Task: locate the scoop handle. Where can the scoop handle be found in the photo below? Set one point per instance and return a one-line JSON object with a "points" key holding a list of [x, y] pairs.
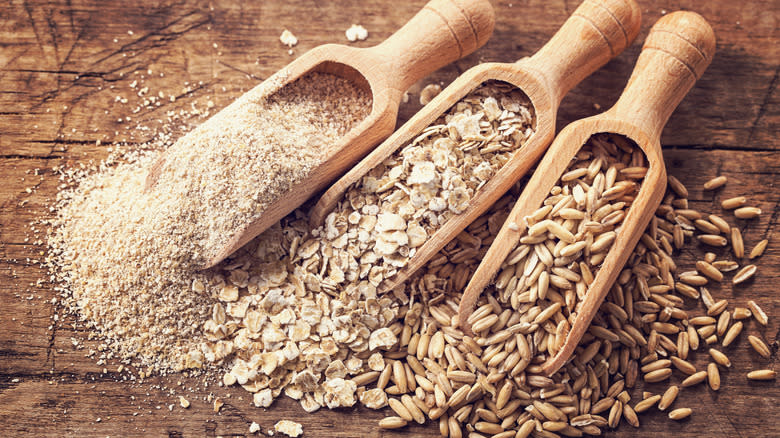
{"points": [[597, 31], [678, 49], [442, 32]]}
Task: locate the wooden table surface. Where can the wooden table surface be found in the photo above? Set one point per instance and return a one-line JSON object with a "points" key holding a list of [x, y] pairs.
{"points": [[65, 68]]}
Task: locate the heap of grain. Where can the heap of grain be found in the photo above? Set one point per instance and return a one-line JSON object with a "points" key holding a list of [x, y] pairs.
{"points": [[313, 323], [296, 310], [126, 256], [492, 384]]}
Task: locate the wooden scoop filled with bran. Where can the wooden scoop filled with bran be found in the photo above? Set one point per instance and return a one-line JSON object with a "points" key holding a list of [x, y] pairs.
{"points": [[270, 150]]}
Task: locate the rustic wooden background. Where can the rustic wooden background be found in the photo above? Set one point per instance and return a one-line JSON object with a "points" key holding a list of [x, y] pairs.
{"points": [[64, 63]]}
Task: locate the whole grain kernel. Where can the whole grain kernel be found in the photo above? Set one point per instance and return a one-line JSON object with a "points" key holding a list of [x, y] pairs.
{"points": [[488, 428], [658, 375], [444, 426], [758, 250], [706, 298], [712, 239], [677, 187], [647, 403], [747, 212], [384, 376], [706, 331], [732, 333], [693, 279], [713, 376], [392, 422], [679, 414], [684, 366], [706, 227], [399, 376], [615, 414], [719, 222], [709, 271], [723, 323], [669, 396], [714, 183], [702, 320], [720, 358], [693, 338], [413, 409], [762, 375], [525, 429], [717, 308], [694, 379], [656, 365], [686, 290], [758, 313], [737, 244], [630, 415], [454, 428], [400, 408], [759, 346], [732, 203], [744, 274]]}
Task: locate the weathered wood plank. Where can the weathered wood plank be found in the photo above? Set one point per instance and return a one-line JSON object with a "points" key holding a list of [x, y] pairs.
{"points": [[63, 66]]}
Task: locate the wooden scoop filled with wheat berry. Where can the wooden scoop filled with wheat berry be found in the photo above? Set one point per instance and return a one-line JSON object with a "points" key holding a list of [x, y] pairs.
{"points": [[589, 201], [269, 151], [471, 143]]}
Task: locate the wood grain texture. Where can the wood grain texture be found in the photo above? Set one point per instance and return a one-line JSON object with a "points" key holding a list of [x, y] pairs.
{"points": [[63, 64]]}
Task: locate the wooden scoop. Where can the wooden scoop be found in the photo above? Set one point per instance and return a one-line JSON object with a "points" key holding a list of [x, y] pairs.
{"points": [[597, 31], [675, 54], [442, 32]]}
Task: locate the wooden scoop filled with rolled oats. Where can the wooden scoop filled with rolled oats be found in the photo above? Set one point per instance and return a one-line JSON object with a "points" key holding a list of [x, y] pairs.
{"points": [[587, 204], [467, 147], [265, 154]]}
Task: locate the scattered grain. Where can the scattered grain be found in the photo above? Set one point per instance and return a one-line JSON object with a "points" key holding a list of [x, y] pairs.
{"points": [[694, 379], [759, 345], [714, 183], [744, 274], [392, 423], [737, 244], [758, 250], [713, 376], [747, 212], [732, 203], [670, 395], [679, 414], [758, 313], [762, 375], [720, 358]]}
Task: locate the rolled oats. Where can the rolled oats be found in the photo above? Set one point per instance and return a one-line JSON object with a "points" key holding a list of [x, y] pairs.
{"points": [[289, 428]]}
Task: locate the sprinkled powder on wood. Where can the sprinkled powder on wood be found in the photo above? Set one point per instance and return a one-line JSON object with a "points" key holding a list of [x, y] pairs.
{"points": [[128, 257]]}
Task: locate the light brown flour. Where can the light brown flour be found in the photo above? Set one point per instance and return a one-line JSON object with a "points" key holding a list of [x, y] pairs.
{"points": [[127, 257]]}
